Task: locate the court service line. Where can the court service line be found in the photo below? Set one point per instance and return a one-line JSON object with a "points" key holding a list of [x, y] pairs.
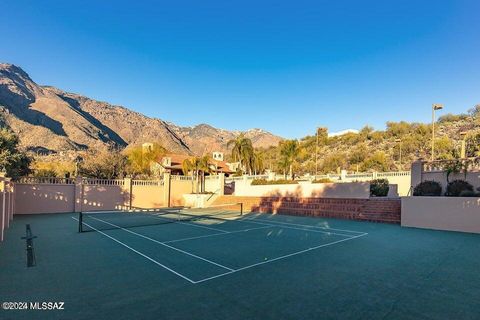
{"points": [[279, 258], [199, 226], [216, 234], [139, 253], [190, 224], [164, 244], [304, 225], [294, 228]]}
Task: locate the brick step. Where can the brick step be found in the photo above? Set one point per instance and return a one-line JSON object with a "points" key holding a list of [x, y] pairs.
{"points": [[376, 210]]}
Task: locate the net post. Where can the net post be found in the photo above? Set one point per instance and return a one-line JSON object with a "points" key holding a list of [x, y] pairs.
{"points": [[241, 208], [80, 221]]}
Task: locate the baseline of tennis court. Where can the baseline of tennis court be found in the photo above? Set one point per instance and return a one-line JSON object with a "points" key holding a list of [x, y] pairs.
{"points": [[210, 248]]}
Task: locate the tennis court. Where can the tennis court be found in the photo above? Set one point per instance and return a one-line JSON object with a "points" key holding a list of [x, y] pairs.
{"points": [[221, 264]]}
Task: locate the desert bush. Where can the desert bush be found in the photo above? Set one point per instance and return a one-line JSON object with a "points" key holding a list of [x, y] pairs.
{"points": [[456, 187], [428, 188], [377, 161], [379, 188], [261, 182]]}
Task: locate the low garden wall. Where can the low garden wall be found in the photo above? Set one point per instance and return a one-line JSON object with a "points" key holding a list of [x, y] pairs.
{"points": [[372, 209], [58, 195], [442, 213]]}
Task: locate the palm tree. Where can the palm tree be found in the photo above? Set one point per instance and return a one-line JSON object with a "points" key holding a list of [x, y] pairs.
{"points": [[242, 151], [288, 153], [257, 162], [198, 166], [188, 168], [204, 166]]}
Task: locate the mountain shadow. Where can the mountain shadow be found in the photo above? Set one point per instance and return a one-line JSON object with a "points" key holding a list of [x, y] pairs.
{"points": [[107, 135], [19, 106]]}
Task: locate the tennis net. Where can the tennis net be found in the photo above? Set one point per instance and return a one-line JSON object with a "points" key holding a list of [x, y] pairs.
{"points": [[108, 220]]}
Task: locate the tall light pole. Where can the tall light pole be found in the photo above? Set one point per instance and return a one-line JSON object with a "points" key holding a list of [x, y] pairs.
{"points": [[435, 106], [399, 141], [463, 134]]}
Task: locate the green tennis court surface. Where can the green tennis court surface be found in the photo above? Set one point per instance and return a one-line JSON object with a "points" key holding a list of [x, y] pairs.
{"points": [[241, 267]]}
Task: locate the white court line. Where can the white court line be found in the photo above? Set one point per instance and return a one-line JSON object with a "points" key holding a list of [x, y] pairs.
{"points": [[250, 220], [246, 267], [293, 228], [216, 234], [139, 253], [304, 225], [191, 224], [164, 244], [199, 226], [279, 258]]}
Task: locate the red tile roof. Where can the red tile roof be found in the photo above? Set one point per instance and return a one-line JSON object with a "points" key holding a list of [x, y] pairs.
{"points": [[177, 160]]}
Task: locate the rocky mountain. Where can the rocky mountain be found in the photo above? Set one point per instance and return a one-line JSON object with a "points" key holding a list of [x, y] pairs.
{"points": [[50, 120]]}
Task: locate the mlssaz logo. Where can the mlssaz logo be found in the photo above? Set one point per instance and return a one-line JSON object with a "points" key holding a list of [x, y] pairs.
{"points": [[47, 305]]}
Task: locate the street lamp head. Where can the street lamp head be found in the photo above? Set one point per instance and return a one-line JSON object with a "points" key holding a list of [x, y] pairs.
{"points": [[437, 106]]}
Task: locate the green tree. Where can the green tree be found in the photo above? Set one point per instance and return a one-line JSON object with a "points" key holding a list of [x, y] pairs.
{"points": [[197, 167], [358, 154], [366, 132], [472, 145], [444, 148], [104, 164], [288, 152], [398, 129], [141, 159], [242, 151], [333, 163], [258, 162], [322, 136], [13, 161], [378, 162]]}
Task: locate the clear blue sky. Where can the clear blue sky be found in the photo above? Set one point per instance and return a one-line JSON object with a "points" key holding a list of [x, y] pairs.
{"points": [[284, 66]]}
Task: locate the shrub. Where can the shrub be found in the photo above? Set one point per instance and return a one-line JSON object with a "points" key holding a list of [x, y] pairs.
{"points": [[379, 188], [323, 180], [261, 182], [468, 193], [456, 187], [428, 188]]}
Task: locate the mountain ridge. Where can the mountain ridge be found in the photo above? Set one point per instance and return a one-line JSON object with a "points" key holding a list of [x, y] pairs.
{"points": [[49, 120]]}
